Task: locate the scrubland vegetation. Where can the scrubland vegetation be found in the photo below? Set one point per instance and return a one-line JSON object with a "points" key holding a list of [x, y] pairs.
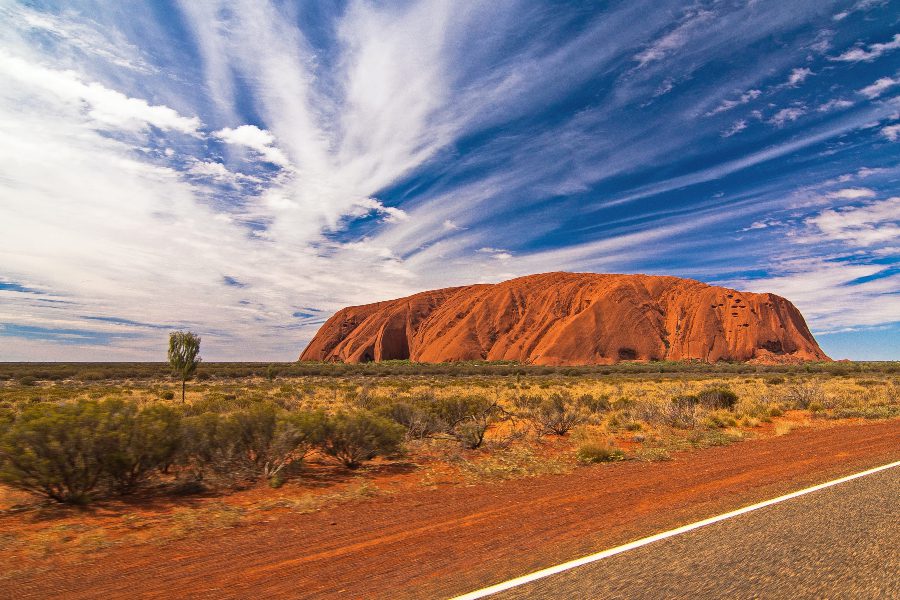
{"points": [[78, 433], [141, 466]]}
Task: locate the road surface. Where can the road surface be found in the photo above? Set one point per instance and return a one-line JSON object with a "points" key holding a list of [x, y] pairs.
{"points": [[840, 542]]}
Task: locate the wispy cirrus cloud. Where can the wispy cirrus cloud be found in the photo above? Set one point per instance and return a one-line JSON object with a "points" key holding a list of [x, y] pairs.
{"points": [[870, 52], [229, 165]]}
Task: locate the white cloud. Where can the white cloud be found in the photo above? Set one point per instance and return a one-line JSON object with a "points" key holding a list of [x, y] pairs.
{"points": [[390, 214], [879, 87], [85, 35], [871, 53], [106, 107], [863, 226], [675, 39], [218, 172], [828, 292], [891, 132], [798, 76], [785, 115], [763, 224], [834, 104], [260, 140], [737, 127], [864, 172], [852, 193], [744, 98], [496, 253]]}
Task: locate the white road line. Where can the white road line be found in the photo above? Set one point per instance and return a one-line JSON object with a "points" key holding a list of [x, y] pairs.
{"points": [[659, 536]]}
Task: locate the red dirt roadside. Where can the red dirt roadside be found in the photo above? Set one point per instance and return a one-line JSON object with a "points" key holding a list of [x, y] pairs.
{"points": [[440, 542]]}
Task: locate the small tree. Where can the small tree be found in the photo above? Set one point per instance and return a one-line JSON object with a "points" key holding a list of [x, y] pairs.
{"points": [[184, 355]]}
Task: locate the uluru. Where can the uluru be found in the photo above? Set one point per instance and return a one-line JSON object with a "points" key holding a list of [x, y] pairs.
{"points": [[571, 319]]}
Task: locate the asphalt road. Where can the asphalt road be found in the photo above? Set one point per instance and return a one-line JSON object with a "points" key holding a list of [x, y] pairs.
{"points": [[840, 542]]}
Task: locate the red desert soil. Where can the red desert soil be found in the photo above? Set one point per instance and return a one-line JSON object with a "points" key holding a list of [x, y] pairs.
{"points": [[571, 319], [440, 542]]}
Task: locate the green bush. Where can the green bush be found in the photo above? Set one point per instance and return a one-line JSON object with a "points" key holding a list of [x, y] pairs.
{"points": [[417, 417], [209, 444], [269, 439], [594, 404], [55, 450], [353, 438], [137, 442], [466, 418]]}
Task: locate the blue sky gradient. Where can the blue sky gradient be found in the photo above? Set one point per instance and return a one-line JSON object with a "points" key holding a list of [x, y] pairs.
{"points": [[243, 169]]}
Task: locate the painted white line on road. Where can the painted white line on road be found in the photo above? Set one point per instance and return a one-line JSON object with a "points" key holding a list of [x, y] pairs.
{"points": [[659, 536]]}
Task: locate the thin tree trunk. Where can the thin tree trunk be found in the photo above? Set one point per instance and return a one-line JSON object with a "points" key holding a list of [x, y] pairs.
{"points": [[182, 391]]}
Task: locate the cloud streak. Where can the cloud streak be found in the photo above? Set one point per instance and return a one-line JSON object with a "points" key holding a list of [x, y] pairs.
{"points": [[231, 165]]}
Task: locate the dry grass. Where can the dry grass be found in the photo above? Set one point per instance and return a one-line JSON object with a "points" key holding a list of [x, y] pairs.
{"points": [[637, 424]]}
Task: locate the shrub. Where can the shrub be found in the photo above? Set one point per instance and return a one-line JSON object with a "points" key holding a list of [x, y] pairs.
{"points": [[682, 412], [209, 442], [137, 443], [55, 451], [355, 437], [801, 396], [167, 395], [417, 419], [557, 414], [716, 398], [594, 404], [269, 439], [720, 419], [595, 452], [466, 418]]}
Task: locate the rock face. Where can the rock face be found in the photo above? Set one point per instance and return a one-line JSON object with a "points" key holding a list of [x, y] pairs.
{"points": [[571, 319]]}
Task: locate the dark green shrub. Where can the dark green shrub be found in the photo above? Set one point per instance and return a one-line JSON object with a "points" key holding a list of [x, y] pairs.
{"points": [[269, 439], [137, 443], [167, 395], [209, 443], [355, 437], [55, 451], [420, 422], [594, 404], [716, 398]]}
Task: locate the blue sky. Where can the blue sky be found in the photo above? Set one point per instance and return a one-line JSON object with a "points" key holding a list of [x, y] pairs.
{"points": [[245, 168]]}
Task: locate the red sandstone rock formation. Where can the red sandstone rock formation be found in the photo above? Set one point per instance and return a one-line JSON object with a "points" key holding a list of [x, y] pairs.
{"points": [[571, 319]]}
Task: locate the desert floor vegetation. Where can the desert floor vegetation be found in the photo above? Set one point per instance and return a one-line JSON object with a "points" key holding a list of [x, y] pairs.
{"points": [[93, 456]]}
